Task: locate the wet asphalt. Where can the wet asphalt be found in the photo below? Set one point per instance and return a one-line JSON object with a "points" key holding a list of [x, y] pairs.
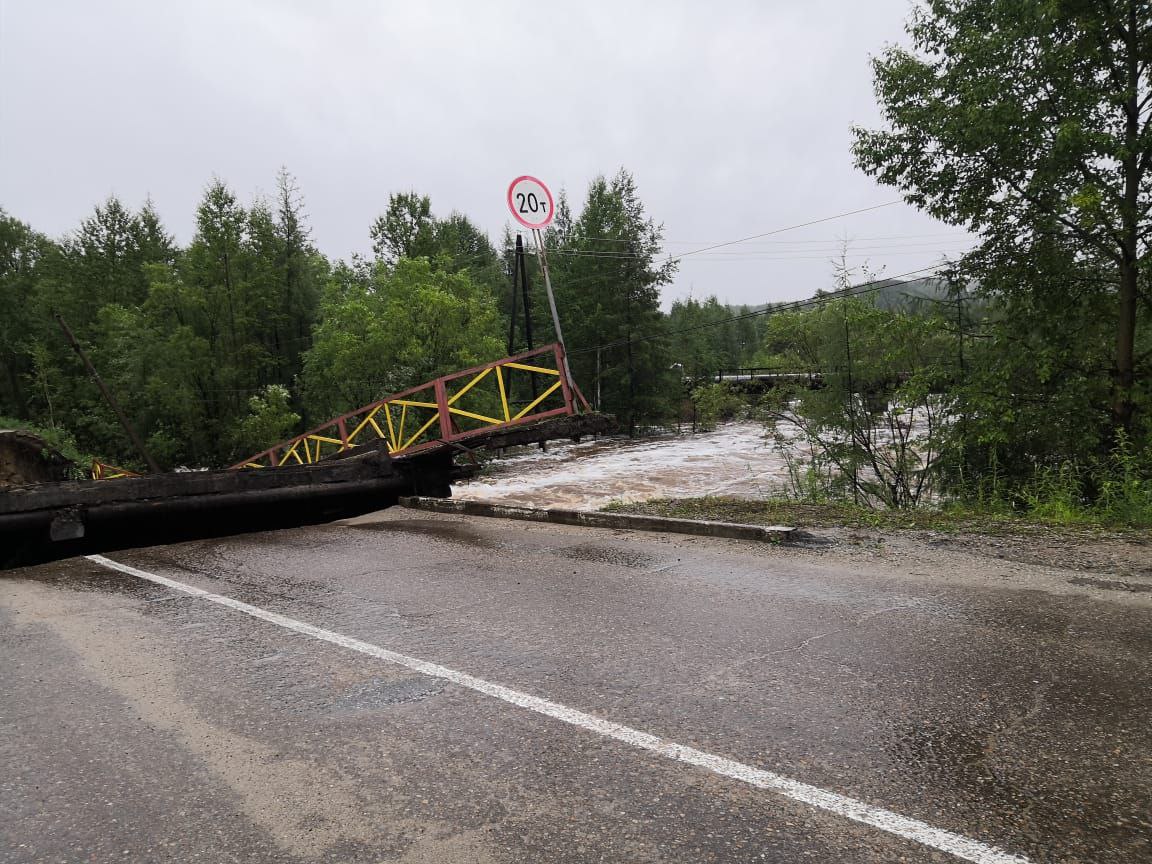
{"points": [[140, 724]]}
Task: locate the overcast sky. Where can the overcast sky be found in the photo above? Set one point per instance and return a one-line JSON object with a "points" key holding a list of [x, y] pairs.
{"points": [[733, 117]]}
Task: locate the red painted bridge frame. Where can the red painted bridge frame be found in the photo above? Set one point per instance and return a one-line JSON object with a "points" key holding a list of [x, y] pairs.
{"points": [[357, 427]]}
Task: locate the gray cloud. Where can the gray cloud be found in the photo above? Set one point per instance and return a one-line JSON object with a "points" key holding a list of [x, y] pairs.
{"points": [[734, 118]]}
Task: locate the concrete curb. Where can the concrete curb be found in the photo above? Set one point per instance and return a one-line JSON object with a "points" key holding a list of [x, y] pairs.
{"points": [[587, 519]]}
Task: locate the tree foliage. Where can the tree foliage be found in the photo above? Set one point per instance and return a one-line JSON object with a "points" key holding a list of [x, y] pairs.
{"points": [[183, 336], [875, 415], [710, 336], [405, 229], [383, 329], [607, 269], [1030, 124], [270, 419]]}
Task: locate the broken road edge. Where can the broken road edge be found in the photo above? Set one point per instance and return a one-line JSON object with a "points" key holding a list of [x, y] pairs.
{"points": [[595, 519]]}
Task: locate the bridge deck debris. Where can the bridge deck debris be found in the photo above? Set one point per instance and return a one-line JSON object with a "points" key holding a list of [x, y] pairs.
{"points": [[51, 520]]}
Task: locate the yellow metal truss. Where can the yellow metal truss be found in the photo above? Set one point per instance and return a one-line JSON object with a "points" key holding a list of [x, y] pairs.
{"points": [[361, 426]]}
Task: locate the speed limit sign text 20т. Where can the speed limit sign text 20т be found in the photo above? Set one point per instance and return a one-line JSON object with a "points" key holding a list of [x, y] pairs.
{"points": [[530, 202]]}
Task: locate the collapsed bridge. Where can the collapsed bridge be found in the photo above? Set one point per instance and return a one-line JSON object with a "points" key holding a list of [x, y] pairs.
{"points": [[417, 441]]}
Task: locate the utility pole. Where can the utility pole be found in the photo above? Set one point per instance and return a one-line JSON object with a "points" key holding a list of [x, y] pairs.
{"points": [[520, 275], [851, 412], [631, 367], [520, 282], [960, 331], [524, 294], [512, 314], [962, 437], [128, 427], [597, 377]]}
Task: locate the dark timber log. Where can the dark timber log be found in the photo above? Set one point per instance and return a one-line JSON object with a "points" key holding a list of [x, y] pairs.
{"points": [[53, 520]]}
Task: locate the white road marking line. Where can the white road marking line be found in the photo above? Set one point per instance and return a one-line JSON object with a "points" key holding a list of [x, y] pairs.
{"points": [[877, 817]]}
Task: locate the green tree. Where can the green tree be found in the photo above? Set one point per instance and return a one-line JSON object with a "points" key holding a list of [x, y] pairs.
{"points": [[280, 274], [608, 271], [383, 329], [99, 269], [270, 419], [215, 272], [405, 229], [152, 243], [876, 425], [461, 246], [302, 271], [21, 252], [1030, 124], [709, 336], [182, 389], [233, 317], [183, 337], [105, 258]]}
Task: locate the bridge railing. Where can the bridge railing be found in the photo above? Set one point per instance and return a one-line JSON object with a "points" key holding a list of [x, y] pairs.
{"points": [[448, 409]]}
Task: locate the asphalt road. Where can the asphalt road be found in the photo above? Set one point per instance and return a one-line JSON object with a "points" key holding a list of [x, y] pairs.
{"points": [[790, 690]]}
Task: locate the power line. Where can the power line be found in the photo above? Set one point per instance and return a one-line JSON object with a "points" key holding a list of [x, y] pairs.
{"points": [[766, 233], [852, 291], [782, 230], [852, 239], [780, 248], [838, 240], [775, 254], [744, 259]]}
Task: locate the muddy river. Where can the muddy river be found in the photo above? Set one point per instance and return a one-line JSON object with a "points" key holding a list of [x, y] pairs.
{"points": [[736, 459]]}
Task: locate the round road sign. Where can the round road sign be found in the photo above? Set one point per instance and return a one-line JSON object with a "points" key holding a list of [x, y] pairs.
{"points": [[530, 202]]}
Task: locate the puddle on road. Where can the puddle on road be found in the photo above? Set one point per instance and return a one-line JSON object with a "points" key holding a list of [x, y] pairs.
{"points": [[942, 749], [452, 532], [264, 573], [384, 693], [1110, 584], [982, 764], [606, 555]]}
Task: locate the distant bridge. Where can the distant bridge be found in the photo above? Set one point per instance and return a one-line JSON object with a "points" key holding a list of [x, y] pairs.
{"points": [[767, 377], [764, 378]]}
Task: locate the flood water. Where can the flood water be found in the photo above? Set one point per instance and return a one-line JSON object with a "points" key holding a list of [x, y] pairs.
{"points": [[737, 459]]}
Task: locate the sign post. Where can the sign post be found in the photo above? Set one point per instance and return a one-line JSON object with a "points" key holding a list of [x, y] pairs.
{"points": [[532, 206]]}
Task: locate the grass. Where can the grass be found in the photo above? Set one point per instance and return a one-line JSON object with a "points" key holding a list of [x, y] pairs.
{"points": [[783, 511]]}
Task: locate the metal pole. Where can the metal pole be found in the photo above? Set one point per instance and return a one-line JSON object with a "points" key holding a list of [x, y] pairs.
{"points": [[631, 369], [597, 379], [512, 317], [851, 412], [960, 346], [525, 293], [135, 438], [552, 302]]}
